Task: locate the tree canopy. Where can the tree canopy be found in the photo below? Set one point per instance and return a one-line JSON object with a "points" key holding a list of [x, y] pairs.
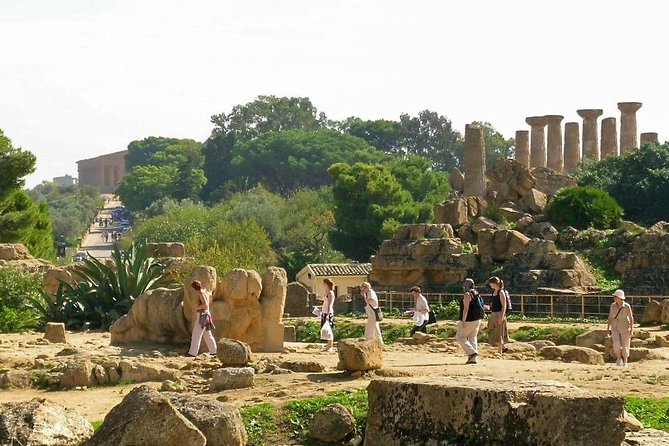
{"points": [[638, 180], [15, 164]]}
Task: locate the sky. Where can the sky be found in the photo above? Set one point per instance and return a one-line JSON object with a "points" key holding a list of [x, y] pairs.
{"points": [[82, 78]]}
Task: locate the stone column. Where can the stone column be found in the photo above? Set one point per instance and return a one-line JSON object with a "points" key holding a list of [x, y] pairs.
{"points": [[554, 143], [628, 132], [572, 147], [537, 141], [474, 161], [590, 137], [523, 147], [644, 138], [609, 137]]}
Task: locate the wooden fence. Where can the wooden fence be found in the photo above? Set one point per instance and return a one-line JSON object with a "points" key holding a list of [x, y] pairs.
{"points": [[530, 305]]}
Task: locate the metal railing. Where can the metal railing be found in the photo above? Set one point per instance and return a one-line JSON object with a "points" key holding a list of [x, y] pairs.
{"points": [[530, 305]]}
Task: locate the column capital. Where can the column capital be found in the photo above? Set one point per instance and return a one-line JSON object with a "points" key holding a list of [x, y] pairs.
{"points": [[629, 107], [536, 121], [590, 113], [554, 119]]}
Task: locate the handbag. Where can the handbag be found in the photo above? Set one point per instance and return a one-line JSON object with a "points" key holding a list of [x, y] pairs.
{"points": [[326, 331], [431, 317], [378, 314]]}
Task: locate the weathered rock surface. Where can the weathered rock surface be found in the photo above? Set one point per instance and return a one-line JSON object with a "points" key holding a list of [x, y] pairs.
{"points": [[42, 423], [146, 418], [14, 251], [155, 316], [272, 304], [647, 437], [501, 244], [652, 313], [232, 378], [508, 180], [233, 353], [332, 423], [549, 182], [220, 423], [591, 338], [55, 332], [236, 309], [645, 269], [456, 212], [569, 353], [413, 411], [15, 379], [360, 354]]}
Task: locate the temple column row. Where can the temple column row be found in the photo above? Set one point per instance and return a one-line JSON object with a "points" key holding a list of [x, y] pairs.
{"points": [[548, 150]]}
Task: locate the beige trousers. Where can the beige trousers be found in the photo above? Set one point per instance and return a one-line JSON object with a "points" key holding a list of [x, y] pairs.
{"points": [[467, 336]]}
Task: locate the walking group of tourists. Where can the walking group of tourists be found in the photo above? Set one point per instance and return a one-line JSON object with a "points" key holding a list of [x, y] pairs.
{"points": [[472, 310]]}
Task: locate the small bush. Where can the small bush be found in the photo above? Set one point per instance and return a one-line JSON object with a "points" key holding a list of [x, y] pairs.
{"points": [[17, 289], [561, 336], [584, 207]]}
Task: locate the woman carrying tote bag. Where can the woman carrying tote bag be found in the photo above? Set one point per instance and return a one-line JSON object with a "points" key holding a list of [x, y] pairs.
{"points": [[372, 329]]}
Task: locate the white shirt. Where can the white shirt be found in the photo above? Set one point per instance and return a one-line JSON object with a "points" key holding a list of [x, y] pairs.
{"points": [[420, 312], [328, 300]]}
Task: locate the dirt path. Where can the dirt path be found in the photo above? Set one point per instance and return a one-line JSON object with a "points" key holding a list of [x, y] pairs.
{"points": [[646, 378]]}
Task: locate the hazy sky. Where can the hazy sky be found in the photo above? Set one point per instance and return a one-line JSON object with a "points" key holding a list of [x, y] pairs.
{"points": [[80, 78]]}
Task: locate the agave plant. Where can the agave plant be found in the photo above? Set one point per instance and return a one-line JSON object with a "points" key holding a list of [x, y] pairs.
{"points": [[101, 293]]}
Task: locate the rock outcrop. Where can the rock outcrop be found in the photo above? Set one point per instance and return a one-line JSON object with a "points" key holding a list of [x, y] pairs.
{"points": [[645, 269], [514, 412], [42, 422], [456, 212]]}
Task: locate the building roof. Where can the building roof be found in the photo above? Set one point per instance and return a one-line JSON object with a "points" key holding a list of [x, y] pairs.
{"points": [[340, 269]]}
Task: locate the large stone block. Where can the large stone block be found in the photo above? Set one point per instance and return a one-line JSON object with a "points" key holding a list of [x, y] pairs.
{"points": [[484, 411], [55, 332], [456, 212], [166, 249], [360, 354], [297, 300]]}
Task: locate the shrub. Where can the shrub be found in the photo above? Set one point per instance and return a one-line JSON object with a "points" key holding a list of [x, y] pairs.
{"points": [[583, 207], [16, 291]]}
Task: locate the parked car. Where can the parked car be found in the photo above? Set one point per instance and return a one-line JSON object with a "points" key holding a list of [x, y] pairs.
{"points": [[80, 256]]}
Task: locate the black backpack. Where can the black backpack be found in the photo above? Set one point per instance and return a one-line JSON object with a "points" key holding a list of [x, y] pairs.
{"points": [[475, 306]]}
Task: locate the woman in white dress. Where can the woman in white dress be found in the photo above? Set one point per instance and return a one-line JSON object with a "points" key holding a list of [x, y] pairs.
{"points": [[372, 329], [327, 314]]}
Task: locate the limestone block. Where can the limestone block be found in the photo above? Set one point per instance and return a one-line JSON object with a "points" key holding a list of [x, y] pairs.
{"points": [[237, 312], [647, 437], [549, 182], [511, 214], [569, 353], [360, 354], [52, 278], [55, 332], [140, 372], [303, 366], [15, 379], [539, 344], [42, 422], [233, 353], [661, 227], [501, 244], [332, 423], [535, 201], [544, 230], [272, 303], [145, 417], [652, 313], [591, 338], [101, 375], [483, 223], [631, 423], [456, 212], [78, 374], [231, 378], [220, 423], [514, 412], [156, 316], [289, 334], [509, 179], [297, 300], [661, 341], [457, 180], [166, 249], [466, 234]]}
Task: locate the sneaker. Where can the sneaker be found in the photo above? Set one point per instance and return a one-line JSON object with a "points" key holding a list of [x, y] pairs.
{"points": [[188, 355], [471, 359], [505, 349], [625, 365]]}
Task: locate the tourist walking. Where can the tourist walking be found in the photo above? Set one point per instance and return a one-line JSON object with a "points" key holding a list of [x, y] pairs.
{"points": [[497, 331], [420, 312], [372, 329], [471, 313], [203, 323], [620, 325], [327, 315]]}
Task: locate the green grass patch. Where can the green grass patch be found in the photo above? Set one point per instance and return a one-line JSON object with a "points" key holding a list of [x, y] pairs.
{"points": [[259, 422], [559, 335], [96, 425], [652, 412], [548, 320], [298, 413], [607, 278]]}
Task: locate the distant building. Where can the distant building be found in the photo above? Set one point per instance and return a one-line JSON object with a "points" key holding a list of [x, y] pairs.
{"points": [[104, 172], [344, 276], [66, 180]]}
